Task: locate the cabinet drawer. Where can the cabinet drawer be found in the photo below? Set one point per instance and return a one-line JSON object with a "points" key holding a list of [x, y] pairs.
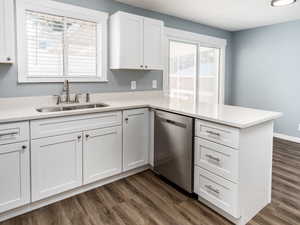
{"points": [[218, 133], [217, 158], [63, 125], [14, 132], [216, 190]]}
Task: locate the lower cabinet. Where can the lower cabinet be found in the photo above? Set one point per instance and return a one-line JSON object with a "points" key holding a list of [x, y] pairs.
{"points": [[14, 175], [136, 136], [217, 190], [56, 164], [102, 153]]}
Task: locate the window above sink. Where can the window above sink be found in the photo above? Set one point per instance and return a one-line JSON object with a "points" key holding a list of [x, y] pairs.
{"points": [[58, 41]]}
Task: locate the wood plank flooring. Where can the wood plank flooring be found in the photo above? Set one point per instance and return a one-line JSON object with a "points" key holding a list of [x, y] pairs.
{"points": [[144, 199]]}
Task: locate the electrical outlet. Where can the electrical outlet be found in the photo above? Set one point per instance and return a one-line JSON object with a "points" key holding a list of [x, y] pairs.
{"points": [[154, 84], [133, 85]]}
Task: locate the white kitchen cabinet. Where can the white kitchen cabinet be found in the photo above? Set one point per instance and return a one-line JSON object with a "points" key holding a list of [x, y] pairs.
{"points": [[102, 153], [7, 38], [135, 138], [136, 42], [233, 168], [14, 175], [56, 164], [153, 36]]}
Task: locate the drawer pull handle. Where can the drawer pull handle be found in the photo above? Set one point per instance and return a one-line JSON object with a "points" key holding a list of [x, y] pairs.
{"points": [[209, 187], [213, 158], [213, 133], [7, 134]]}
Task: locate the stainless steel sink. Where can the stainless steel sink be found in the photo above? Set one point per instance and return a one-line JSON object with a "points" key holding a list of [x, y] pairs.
{"points": [[71, 107]]}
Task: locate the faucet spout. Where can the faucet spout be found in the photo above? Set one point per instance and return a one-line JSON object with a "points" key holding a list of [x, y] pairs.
{"points": [[67, 90]]}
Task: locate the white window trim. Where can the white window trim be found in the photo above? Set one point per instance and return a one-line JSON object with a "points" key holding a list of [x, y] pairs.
{"points": [[67, 10], [199, 39]]}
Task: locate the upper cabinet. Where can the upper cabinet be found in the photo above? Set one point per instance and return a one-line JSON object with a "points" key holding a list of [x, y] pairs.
{"points": [[7, 39], [136, 42]]}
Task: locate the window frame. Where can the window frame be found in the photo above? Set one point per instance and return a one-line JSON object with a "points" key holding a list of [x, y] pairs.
{"points": [[65, 10], [200, 40]]}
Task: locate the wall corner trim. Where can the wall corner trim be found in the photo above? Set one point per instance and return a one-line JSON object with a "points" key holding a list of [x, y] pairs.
{"points": [[287, 137]]}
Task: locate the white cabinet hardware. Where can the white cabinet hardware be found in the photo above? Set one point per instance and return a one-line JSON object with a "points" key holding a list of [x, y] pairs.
{"points": [[14, 173], [7, 36], [213, 158], [102, 153], [209, 187], [135, 138], [136, 42], [8, 134]]}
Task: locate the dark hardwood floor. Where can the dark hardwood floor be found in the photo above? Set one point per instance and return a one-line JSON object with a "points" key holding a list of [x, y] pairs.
{"points": [[144, 199]]}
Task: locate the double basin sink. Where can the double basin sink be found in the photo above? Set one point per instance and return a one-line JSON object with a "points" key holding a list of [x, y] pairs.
{"points": [[71, 107]]}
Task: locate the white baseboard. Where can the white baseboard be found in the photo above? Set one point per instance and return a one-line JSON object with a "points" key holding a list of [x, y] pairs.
{"points": [[35, 205], [287, 137]]}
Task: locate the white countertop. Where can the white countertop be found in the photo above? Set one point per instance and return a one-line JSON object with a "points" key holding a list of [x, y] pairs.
{"points": [[24, 108]]}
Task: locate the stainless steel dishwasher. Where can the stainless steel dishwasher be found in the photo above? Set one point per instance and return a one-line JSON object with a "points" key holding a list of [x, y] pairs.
{"points": [[173, 148]]}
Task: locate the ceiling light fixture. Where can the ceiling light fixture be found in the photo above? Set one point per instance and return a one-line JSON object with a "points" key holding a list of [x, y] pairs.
{"points": [[278, 3]]}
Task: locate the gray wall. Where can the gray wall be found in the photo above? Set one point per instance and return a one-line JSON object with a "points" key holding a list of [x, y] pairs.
{"points": [[266, 72], [118, 81]]}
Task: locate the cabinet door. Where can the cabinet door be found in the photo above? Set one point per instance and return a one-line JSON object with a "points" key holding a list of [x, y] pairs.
{"points": [[102, 153], [153, 44], [56, 164], [135, 138], [131, 41], [6, 31], [14, 175]]}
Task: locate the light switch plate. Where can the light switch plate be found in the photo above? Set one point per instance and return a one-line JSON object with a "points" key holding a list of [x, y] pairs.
{"points": [[133, 85], [154, 84]]}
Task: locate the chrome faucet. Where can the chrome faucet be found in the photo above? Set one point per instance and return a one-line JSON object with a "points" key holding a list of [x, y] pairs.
{"points": [[66, 91]]}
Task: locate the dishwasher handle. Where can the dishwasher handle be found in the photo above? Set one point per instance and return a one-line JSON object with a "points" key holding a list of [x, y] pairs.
{"points": [[173, 122]]}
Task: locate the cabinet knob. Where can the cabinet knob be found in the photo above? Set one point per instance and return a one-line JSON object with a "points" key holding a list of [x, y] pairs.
{"points": [[126, 120], [79, 137], [8, 58], [142, 66], [87, 136], [146, 67], [24, 147]]}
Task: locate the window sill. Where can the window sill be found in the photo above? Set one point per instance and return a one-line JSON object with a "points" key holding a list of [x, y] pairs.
{"points": [[61, 80]]}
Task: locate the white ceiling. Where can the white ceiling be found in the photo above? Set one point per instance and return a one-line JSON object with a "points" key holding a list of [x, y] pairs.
{"points": [[230, 15]]}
